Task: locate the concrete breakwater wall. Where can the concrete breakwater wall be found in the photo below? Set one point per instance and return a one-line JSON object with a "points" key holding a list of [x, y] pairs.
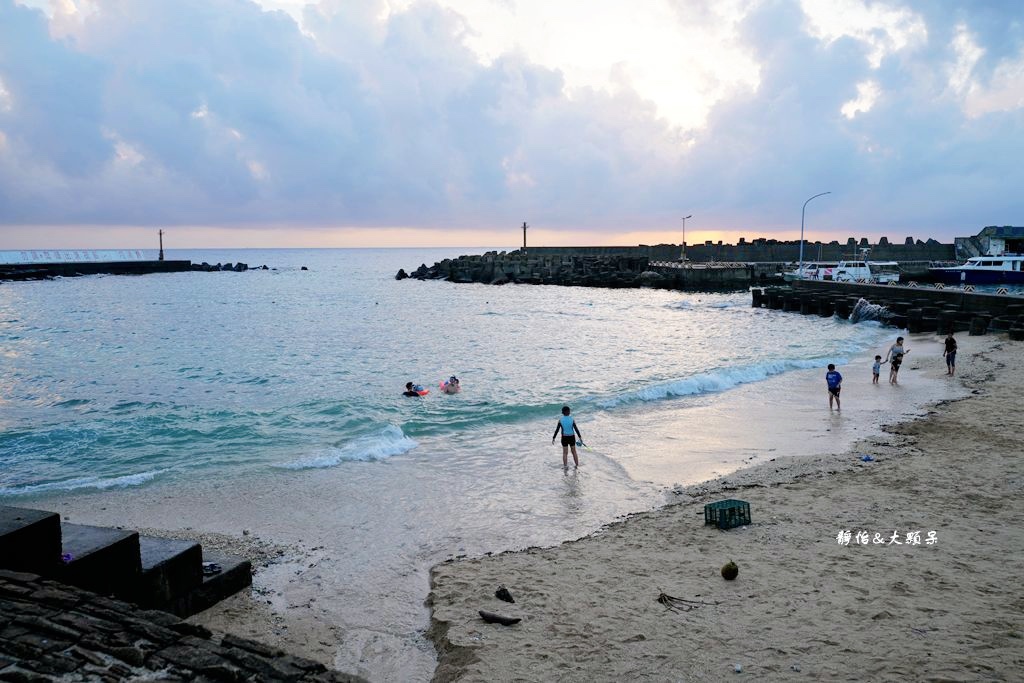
{"points": [[45, 271], [610, 270], [764, 250], [917, 310], [789, 251]]}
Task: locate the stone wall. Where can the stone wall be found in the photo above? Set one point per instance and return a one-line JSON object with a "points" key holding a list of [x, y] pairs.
{"points": [[763, 250], [50, 631], [766, 250]]}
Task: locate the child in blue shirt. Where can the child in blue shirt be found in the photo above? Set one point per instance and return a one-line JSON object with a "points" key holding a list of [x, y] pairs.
{"points": [[835, 384], [875, 369]]}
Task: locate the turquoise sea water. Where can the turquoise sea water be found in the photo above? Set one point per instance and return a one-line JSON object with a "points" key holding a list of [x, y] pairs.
{"points": [[119, 381]]}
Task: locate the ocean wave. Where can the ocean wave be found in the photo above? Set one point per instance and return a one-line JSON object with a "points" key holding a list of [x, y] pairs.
{"points": [[712, 382], [83, 483], [390, 441]]}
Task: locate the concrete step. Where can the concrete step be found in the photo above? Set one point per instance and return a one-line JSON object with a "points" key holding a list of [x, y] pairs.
{"points": [[235, 575], [171, 569], [29, 540], [102, 560]]}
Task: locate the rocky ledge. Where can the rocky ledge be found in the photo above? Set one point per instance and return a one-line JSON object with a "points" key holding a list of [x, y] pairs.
{"points": [[50, 631]]}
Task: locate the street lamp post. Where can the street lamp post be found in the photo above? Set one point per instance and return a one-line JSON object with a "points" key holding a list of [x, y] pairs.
{"points": [[682, 256], [800, 269]]}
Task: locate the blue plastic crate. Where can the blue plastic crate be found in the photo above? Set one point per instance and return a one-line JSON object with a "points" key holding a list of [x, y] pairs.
{"points": [[727, 514]]}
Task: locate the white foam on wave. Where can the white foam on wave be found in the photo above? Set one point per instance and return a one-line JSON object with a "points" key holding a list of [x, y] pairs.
{"points": [[390, 441], [83, 483], [716, 381]]}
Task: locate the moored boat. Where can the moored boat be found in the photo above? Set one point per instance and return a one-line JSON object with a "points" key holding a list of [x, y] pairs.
{"points": [[875, 272], [984, 270]]}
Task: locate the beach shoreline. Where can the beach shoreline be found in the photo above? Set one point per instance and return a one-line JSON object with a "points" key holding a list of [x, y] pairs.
{"points": [[323, 589], [803, 604]]}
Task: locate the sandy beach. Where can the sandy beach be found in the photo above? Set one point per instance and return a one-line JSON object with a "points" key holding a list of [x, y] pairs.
{"points": [[804, 605]]}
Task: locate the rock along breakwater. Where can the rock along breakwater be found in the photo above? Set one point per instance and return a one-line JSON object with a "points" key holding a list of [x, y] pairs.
{"points": [[616, 268]]}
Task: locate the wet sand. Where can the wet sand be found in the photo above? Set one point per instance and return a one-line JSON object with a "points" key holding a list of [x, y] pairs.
{"points": [[804, 606]]}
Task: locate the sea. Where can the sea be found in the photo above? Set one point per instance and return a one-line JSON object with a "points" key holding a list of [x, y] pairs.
{"points": [[270, 401]]}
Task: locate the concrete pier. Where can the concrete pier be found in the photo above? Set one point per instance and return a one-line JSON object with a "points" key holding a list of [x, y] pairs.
{"points": [[43, 271], [918, 309]]}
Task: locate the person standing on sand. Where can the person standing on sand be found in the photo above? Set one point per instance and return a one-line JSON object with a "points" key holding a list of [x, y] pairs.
{"points": [[895, 356], [950, 354], [835, 384], [875, 369], [567, 426]]}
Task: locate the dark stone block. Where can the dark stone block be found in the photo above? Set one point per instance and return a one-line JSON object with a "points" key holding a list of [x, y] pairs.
{"points": [[52, 664], [151, 631], [44, 626], [251, 646], [103, 560], [187, 629], [56, 597], [159, 617], [235, 575], [130, 655], [223, 672], [44, 643], [87, 656], [190, 658], [170, 570], [29, 541], [18, 577], [258, 666], [18, 675], [301, 663], [19, 651]]}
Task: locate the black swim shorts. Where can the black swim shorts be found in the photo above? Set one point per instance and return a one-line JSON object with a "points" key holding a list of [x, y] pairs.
{"points": [[568, 440], [835, 391]]}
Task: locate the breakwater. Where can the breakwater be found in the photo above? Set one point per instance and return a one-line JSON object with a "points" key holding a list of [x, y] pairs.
{"points": [[913, 308], [46, 271], [764, 250], [619, 267]]}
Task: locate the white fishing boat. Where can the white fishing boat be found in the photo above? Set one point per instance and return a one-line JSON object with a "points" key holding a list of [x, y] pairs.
{"points": [[984, 270], [856, 270], [811, 271], [873, 272]]}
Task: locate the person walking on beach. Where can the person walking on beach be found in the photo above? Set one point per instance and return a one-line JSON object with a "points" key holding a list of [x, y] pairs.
{"points": [[876, 369], [895, 357], [567, 425], [835, 384], [950, 354]]}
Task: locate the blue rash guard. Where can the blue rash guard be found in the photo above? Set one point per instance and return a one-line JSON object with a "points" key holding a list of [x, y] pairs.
{"points": [[567, 423], [833, 378]]}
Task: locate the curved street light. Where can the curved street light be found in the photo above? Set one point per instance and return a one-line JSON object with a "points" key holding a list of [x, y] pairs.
{"points": [[682, 256], [800, 268]]}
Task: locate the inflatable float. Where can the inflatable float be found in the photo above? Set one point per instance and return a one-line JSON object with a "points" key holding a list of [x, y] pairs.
{"points": [[420, 389]]}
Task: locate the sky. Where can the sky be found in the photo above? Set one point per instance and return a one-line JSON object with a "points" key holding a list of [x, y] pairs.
{"points": [[284, 123]]}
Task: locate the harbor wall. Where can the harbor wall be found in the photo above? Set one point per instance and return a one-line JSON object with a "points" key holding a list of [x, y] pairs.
{"points": [[768, 250], [916, 309]]}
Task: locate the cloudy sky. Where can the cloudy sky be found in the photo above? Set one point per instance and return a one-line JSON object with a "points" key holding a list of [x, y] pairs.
{"points": [[450, 122]]}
